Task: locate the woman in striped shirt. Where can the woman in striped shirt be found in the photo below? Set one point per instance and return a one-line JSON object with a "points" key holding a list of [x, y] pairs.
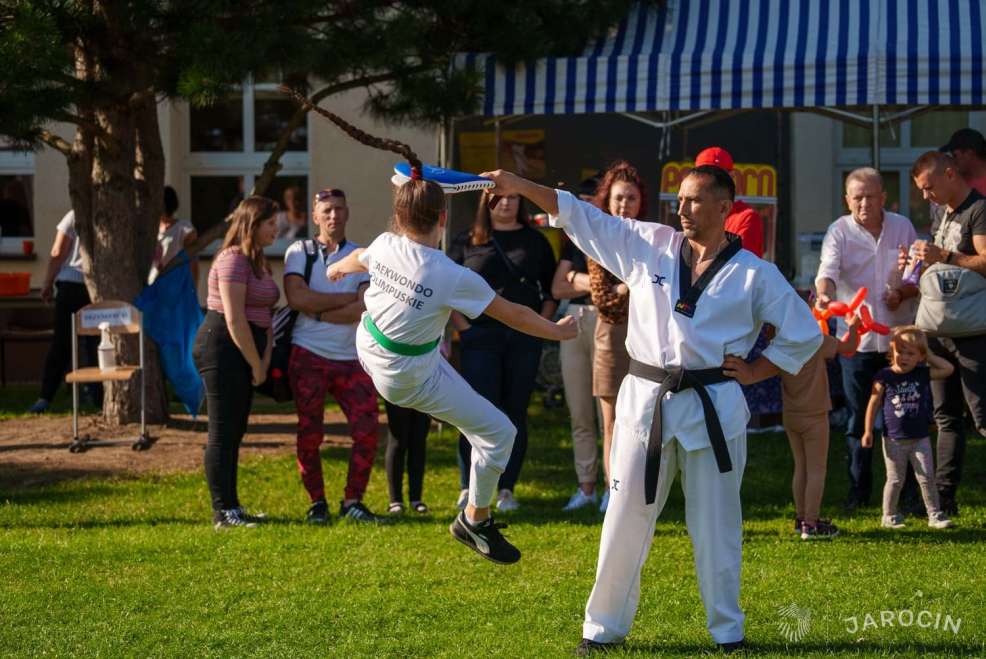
{"points": [[233, 347]]}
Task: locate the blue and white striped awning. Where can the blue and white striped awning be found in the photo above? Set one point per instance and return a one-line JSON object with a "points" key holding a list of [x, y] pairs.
{"points": [[732, 54]]}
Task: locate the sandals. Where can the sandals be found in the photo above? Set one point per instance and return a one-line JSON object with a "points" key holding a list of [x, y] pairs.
{"points": [[420, 507]]}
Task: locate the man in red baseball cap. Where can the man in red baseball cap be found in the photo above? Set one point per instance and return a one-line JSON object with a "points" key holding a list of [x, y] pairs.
{"points": [[742, 219]]}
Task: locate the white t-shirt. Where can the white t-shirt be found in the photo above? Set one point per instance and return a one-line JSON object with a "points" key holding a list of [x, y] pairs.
{"points": [[72, 267], [169, 243], [328, 340], [413, 289]]}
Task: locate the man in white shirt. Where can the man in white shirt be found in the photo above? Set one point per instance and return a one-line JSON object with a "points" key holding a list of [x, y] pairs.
{"points": [[860, 250], [696, 298], [323, 359]]}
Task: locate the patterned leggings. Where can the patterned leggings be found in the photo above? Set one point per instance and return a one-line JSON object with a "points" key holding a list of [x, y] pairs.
{"points": [[311, 378]]}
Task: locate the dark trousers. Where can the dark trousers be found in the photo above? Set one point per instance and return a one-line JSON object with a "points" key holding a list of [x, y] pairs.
{"points": [[857, 383], [966, 386], [406, 443], [228, 383], [501, 365], [69, 298]]}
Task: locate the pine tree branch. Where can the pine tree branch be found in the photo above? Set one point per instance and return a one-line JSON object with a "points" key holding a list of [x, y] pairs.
{"points": [[273, 163], [81, 122], [55, 142]]}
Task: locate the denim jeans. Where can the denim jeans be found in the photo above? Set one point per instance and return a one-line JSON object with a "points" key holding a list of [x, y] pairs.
{"points": [[500, 364], [857, 383]]}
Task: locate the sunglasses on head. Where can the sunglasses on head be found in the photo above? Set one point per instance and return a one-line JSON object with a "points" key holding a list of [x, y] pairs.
{"points": [[322, 195]]}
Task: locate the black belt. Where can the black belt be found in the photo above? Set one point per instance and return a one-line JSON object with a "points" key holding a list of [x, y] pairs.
{"points": [[674, 380]]}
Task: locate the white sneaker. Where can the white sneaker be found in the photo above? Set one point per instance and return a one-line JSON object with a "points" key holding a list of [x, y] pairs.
{"points": [[463, 499], [505, 501], [892, 522], [580, 500], [940, 521], [604, 504]]}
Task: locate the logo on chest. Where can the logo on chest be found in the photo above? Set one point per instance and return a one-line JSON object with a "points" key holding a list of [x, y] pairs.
{"points": [[658, 279]]}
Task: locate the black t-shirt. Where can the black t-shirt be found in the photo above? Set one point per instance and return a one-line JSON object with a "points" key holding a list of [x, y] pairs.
{"points": [[958, 228], [906, 402], [529, 252], [572, 253]]}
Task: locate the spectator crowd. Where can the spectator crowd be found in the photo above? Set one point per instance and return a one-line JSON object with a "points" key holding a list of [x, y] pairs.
{"points": [[906, 316]]}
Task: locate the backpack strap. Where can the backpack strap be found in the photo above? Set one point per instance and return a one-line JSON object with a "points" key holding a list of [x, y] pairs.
{"points": [[311, 253]]}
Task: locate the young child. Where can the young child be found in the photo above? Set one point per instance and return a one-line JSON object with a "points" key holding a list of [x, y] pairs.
{"points": [[414, 287], [904, 391], [806, 404]]}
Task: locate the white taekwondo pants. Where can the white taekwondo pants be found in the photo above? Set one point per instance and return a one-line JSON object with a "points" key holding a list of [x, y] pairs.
{"points": [[714, 519]]}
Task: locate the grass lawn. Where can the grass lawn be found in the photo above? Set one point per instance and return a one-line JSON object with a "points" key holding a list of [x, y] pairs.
{"points": [[132, 567]]}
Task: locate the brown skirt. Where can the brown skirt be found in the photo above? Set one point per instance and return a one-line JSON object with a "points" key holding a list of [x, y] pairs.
{"points": [[610, 362]]}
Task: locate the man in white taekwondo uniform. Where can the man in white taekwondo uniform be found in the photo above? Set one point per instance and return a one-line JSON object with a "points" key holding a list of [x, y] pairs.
{"points": [[696, 298]]}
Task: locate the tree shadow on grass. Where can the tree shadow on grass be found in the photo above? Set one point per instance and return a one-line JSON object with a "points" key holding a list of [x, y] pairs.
{"points": [[15, 488], [92, 524]]}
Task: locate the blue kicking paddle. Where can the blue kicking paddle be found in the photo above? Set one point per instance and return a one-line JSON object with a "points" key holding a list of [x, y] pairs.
{"points": [[450, 180]]}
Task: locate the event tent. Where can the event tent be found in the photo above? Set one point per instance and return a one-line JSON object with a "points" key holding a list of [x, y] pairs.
{"points": [[855, 59]]}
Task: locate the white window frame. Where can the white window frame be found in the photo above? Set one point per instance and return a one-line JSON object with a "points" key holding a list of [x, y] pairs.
{"points": [[18, 163], [247, 163]]}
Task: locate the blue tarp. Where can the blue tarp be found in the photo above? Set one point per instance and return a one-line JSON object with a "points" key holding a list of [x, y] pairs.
{"points": [[171, 318]]}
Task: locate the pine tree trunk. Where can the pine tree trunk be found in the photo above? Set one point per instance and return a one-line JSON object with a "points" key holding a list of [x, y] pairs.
{"points": [[116, 181]]}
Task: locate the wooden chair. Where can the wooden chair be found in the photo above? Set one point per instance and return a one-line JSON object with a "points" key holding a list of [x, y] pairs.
{"points": [[123, 318]]}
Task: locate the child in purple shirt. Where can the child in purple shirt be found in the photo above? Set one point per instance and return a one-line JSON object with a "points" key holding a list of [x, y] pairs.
{"points": [[903, 390]]}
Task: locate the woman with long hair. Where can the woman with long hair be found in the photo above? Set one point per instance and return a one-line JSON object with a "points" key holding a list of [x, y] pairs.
{"points": [[516, 260], [233, 347], [621, 193]]}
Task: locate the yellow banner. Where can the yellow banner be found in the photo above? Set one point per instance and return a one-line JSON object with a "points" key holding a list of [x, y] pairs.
{"points": [[752, 179]]}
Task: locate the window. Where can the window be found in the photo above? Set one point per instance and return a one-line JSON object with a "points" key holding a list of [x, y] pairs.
{"points": [[16, 198], [900, 146], [228, 146]]}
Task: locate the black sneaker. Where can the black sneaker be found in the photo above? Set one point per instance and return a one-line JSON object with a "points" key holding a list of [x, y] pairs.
{"points": [[823, 529], [735, 646], [587, 647], [226, 519], [256, 518], [485, 539], [357, 512], [318, 513]]}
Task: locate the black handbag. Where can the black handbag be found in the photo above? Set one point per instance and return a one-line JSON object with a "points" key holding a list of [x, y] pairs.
{"points": [[282, 326]]}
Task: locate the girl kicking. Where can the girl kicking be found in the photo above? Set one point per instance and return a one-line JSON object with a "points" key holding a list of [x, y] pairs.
{"points": [[414, 287]]}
